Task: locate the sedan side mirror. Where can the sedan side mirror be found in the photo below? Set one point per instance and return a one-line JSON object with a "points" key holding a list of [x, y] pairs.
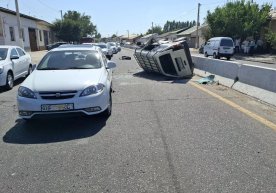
{"points": [[14, 57], [110, 65]]}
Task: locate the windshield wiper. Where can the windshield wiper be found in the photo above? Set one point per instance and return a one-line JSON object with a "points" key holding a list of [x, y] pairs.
{"points": [[77, 68], [49, 69]]}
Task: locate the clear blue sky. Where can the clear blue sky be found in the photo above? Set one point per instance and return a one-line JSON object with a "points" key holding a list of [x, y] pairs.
{"points": [[118, 16]]}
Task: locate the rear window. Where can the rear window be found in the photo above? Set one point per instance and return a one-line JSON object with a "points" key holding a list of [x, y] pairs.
{"points": [[65, 60], [226, 42], [3, 53]]}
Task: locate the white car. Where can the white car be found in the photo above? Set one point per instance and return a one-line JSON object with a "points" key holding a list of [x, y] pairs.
{"points": [[107, 51], [73, 79], [113, 47], [14, 63]]}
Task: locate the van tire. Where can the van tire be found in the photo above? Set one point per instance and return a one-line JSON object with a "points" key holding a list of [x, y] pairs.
{"points": [[205, 54], [214, 55], [228, 58]]}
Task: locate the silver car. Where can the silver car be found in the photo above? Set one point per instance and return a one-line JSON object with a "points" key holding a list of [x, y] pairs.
{"points": [[14, 63]]}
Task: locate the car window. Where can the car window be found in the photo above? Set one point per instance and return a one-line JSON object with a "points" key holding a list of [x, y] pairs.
{"points": [[64, 60], [20, 52], [14, 52], [3, 53], [226, 42]]}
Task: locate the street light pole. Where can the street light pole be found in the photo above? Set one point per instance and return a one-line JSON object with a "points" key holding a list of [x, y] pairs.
{"points": [[128, 34], [19, 25]]}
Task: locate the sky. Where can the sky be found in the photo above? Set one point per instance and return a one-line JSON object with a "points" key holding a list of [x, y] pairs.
{"points": [[120, 16]]}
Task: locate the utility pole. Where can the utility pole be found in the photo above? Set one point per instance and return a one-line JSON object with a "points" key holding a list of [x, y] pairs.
{"points": [[61, 15], [197, 25], [128, 34], [152, 27], [19, 25]]}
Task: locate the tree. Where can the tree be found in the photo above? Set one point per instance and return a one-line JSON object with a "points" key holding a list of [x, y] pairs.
{"points": [[156, 29], [74, 26], [238, 19], [173, 25]]}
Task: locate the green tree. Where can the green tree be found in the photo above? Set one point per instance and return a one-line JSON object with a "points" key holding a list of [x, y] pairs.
{"points": [[155, 29], [238, 19], [74, 26], [173, 25]]}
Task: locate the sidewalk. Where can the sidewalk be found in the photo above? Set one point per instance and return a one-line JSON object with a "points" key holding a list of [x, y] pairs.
{"points": [[263, 58]]}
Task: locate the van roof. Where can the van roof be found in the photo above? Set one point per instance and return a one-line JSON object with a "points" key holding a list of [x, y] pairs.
{"points": [[219, 38]]}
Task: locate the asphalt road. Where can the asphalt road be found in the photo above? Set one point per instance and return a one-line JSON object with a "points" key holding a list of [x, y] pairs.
{"points": [[163, 136]]}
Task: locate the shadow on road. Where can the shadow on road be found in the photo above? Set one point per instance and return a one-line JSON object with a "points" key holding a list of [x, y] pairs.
{"points": [[54, 130], [159, 77]]}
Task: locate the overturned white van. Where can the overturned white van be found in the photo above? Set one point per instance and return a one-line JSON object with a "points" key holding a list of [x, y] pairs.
{"points": [[171, 59]]}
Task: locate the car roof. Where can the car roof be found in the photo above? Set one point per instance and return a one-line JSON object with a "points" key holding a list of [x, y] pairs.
{"points": [[66, 47], [219, 38], [8, 46]]}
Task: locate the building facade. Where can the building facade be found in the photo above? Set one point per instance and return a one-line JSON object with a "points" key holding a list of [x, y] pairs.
{"points": [[36, 33]]}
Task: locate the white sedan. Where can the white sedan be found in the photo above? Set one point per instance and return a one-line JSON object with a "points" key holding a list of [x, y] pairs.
{"points": [[73, 79], [14, 63]]}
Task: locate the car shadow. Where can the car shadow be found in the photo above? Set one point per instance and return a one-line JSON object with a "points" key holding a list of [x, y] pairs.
{"points": [[160, 78], [41, 131], [16, 83]]}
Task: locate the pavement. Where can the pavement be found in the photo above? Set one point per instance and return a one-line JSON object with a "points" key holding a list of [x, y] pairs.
{"points": [[164, 135], [256, 58]]}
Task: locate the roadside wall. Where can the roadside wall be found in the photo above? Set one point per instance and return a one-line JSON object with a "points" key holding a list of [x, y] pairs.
{"points": [[253, 80]]}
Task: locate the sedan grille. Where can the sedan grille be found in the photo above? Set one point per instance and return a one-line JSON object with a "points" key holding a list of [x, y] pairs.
{"points": [[57, 95]]}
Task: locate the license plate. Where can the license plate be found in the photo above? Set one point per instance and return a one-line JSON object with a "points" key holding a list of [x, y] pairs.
{"points": [[59, 107]]}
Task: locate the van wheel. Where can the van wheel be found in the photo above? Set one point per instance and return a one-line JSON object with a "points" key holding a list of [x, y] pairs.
{"points": [[218, 57], [205, 54], [214, 55], [9, 81], [228, 58]]}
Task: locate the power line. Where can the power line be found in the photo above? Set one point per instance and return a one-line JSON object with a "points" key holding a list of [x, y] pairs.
{"points": [[48, 6]]}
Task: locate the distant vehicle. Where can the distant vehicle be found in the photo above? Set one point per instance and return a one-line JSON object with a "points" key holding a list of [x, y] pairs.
{"points": [[219, 47], [87, 40], [113, 47], [107, 51], [55, 45], [14, 63], [201, 48], [68, 80], [118, 46]]}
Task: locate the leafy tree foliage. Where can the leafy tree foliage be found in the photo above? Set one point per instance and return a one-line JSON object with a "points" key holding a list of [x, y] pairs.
{"points": [[175, 25], [238, 19], [155, 29], [74, 26]]}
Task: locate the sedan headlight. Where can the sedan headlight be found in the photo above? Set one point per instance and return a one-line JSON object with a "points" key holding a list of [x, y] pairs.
{"points": [[94, 89], [1, 69], [25, 92]]}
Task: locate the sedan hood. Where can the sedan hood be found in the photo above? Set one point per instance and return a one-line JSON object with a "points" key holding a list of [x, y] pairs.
{"points": [[62, 80]]}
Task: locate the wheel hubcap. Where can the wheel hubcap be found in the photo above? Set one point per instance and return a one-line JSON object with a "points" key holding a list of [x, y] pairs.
{"points": [[10, 80]]}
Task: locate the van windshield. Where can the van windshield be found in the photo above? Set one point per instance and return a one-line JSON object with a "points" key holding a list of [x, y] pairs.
{"points": [[225, 42]]}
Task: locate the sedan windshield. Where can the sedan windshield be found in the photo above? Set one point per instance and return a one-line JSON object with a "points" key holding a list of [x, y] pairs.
{"points": [[64, 60], [3, 53]]}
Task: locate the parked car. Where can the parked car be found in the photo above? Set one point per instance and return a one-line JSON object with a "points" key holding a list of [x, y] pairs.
{"points": [[54, 45], [75, 79], [113, 47], [107, 51], [14, 63], [219, 47]]}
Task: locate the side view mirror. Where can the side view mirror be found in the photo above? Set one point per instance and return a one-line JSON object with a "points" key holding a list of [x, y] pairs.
{"points": [[14, 57], [110, 65]]}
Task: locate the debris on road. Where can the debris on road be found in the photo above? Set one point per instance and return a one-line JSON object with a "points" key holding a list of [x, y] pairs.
{"points": [[207, 80], [171, 59]]}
